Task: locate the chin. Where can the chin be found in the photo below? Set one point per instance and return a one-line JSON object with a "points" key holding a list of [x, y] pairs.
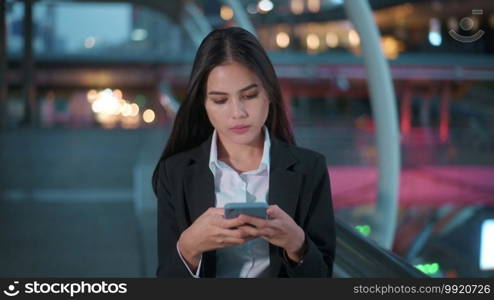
{"points": [[242, 139]]}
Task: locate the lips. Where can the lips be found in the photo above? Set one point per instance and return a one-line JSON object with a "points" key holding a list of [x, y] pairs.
{"points": [[239, 129]]}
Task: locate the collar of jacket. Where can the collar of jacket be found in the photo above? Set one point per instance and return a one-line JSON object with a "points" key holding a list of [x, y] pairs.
{"points": [[284, 188]]}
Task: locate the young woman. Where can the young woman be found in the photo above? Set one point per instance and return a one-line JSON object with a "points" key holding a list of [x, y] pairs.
{"points": [[231, 142]]}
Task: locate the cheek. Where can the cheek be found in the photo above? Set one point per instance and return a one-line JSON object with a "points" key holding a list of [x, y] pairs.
{"points": [[263, 110], [214, 115]]}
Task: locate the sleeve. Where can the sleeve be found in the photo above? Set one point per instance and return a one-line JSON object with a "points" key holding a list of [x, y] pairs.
{"points": [[198, 271], [170, 263], [319, 228]]}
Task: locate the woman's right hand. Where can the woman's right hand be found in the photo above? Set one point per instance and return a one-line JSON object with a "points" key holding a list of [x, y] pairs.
{"points": [[209, 232]]}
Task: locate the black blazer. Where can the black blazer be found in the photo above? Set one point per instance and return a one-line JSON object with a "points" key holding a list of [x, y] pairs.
{"points": [[298, 184]]}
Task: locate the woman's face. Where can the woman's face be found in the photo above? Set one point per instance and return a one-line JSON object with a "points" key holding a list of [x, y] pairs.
{"points": [[236, 103]]}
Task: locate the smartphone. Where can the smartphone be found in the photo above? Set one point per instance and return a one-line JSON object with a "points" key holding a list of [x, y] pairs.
{"points": [[254, 209]]}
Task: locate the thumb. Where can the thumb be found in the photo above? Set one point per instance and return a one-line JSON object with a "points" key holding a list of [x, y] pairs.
{"points": [[274, 211], [215, 211]]}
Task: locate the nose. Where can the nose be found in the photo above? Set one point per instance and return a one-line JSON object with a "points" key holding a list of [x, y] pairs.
{"points": [[238, 110]]}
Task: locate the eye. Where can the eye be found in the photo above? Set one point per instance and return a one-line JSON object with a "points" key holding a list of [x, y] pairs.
{"points": [[251, 96], [219, 101]]}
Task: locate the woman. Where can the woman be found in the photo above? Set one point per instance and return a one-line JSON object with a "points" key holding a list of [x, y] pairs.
{"points": [[231, 142]]}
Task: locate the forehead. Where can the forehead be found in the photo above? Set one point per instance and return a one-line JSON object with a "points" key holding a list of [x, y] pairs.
{"points": [[230, 77]]}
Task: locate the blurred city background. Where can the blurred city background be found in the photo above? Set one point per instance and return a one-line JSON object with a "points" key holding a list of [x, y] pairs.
{"points": [[89, 89]]}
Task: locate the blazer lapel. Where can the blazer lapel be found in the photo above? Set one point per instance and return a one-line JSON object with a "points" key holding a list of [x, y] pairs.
{"points": [[284, 184], [199, 182], [284, 188]]}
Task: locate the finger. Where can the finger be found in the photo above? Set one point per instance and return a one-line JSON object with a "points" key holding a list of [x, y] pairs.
{"points": [[249, 231], [267, 233], [231, 223], [228, 233], [257, 222], [275, 212], [215, 211], [236, 234], [226, 237]]}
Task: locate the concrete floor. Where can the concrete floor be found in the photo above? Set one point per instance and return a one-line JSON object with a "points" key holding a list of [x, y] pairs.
{"points": [[86, 239]]}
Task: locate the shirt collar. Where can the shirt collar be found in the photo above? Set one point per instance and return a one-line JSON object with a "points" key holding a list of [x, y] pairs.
{"points": [[265, 161]]}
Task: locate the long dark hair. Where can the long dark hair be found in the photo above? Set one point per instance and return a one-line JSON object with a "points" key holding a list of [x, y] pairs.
{"points": [[192, 126]]}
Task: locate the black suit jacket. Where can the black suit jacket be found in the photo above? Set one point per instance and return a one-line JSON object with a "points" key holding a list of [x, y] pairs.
{"points": [[298, 184]]}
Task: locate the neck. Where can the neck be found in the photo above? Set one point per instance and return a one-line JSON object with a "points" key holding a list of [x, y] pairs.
{"points": [[237, 152]]}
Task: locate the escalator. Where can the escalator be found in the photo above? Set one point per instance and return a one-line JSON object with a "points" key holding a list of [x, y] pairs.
{"points": [[359, 257]]}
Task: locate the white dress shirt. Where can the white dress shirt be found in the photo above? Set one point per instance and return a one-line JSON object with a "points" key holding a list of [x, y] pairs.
{"points": [[250, 259]]}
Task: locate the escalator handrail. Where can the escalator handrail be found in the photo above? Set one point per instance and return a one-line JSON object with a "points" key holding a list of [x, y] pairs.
{"points": [[357, 256]]}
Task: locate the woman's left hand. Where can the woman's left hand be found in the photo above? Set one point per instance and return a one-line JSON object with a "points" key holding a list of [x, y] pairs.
{"points": [[280, 230]]}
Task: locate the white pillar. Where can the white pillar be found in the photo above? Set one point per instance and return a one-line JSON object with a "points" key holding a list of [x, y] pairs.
{"points": [[384, 111]]}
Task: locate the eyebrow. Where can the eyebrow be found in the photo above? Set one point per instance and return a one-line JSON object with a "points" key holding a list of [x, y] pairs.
{"points": [[241, 90]]}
